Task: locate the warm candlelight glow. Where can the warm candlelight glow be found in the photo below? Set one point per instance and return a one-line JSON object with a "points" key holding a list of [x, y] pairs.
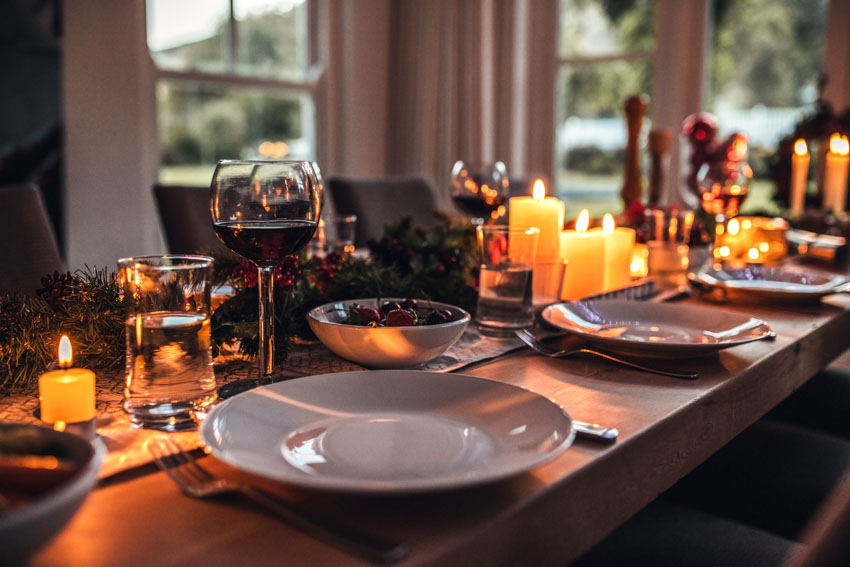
{"points": [[66, 395], [734, 227], [839, 145], [583, 221], [608, 224], [66, 355], [538, 191], [800, 147]]}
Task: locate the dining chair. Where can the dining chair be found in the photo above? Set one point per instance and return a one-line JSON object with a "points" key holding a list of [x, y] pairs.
{"points": [[377, 202], [28, 246], [185, 215], [768, 497]]}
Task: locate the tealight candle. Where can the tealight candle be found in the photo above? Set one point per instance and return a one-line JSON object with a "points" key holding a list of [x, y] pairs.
{"points": [[835, 174], [66, 395], [619, 242], [585, 254], [799, 174]]}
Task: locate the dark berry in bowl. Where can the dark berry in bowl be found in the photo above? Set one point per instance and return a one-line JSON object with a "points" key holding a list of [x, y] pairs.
{"points": [[367, 314], [408, 304], [388, 306], [400, 318]]}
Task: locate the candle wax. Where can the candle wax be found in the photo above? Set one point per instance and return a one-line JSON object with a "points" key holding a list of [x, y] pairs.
{"points": [[67, 395], [547, 214], [618, 258], [835, 182], [799, 173], [585, 255]]}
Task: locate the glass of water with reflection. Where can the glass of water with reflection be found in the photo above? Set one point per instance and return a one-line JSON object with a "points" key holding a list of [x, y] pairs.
{"points": [[505, 282], [170, 382]]}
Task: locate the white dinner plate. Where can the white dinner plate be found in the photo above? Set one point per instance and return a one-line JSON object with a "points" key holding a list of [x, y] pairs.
{"points": [[656, 330], [783, 283], [387, 431]]}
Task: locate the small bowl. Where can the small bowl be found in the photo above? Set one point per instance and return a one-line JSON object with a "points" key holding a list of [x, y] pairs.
{"points": [[45, 475], [385, 347]]}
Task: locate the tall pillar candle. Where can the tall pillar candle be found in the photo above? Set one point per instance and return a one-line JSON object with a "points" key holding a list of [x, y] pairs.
{"points": [[585, 255], [619, 242], [799, 174], [835, 174], [545, 213]]}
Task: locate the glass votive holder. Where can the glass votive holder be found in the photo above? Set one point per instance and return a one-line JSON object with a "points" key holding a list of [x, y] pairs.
{"points": [[668, 262], [752, 240]]}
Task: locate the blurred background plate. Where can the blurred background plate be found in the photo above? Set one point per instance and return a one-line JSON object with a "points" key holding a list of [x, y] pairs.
{"points": [[780, 283]]}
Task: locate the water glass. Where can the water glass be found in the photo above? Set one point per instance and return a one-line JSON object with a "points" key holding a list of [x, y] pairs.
{"points": [[170, 382], [505, 288], [343, 239]]}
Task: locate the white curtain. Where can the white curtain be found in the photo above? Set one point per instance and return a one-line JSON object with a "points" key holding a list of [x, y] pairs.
{"points": [[462, 75]]}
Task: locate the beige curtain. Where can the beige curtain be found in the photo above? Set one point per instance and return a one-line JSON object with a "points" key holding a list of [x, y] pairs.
{"points": [[460, 86]]}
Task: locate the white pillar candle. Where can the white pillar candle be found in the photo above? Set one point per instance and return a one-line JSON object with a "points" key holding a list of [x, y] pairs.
{"points": [[799, 174]]}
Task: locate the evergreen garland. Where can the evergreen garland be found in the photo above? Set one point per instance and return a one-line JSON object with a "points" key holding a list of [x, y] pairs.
{"points": [[438, 264]]}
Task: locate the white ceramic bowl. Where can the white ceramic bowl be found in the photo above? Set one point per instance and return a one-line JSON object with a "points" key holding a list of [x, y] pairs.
{"points": [[385, 347], [27, 527]]}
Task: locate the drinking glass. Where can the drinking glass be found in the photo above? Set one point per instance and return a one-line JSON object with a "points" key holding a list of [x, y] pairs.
{"points": [[724, 182], [479, 190], [505, 281], [265, 211], [169, 371]]}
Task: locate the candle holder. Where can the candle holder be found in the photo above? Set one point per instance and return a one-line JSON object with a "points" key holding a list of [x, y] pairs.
{"points": [[752, 240]]}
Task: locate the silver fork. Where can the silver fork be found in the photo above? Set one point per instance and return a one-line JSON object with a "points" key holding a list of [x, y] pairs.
{"points": [[529, 339], [197, 482]]}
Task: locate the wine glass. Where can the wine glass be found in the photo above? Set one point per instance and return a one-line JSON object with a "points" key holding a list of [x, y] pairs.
{"points": [[724, 182], [480, 190], [265, 211]]}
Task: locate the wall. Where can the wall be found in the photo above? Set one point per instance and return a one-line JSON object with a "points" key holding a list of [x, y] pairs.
{"points": [[111, 158]]}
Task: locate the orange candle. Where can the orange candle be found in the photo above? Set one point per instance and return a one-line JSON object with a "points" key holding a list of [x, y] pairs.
{"points": [[619, 242], [66, 395], [799, 173], [545, 213], [585, 255], [835, 175]]}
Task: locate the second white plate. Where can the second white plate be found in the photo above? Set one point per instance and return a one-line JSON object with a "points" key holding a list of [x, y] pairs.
{"points": [[656, 330], [776, 283], [387, 431]]}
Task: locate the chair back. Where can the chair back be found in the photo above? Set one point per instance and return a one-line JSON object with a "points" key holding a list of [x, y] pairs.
{"points": [[185, 215], [827, 538], [28, 247], [378, 202]]}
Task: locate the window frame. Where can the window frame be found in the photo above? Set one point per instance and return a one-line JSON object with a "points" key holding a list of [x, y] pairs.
{"points": [[313, 84]]}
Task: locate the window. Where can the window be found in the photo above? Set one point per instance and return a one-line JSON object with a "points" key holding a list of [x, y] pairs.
{"points": [[236, 79], [605, 54], [766, 59]]}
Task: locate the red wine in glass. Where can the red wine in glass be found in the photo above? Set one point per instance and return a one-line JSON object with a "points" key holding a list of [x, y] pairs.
{"points": [[265, 211], [478, 207], [265, 242]]}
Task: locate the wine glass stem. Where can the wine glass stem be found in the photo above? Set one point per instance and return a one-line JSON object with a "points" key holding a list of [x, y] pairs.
{"points": [[266, 287]]}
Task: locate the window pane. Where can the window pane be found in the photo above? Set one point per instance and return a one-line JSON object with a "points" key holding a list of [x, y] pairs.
{"points": [[602, 27], [765, 61], [200, 124], [189, 35], [272, 37], [591, 131]]}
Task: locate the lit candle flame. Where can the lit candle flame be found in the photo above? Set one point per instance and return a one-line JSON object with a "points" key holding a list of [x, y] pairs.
{"points": [[65, 352], [538, 191], [734, 227], [800, 147], [608, 224], [583, 221], [839, 145]]}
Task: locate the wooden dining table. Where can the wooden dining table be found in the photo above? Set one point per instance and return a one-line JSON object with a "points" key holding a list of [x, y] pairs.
{"points": [[547, 516]]}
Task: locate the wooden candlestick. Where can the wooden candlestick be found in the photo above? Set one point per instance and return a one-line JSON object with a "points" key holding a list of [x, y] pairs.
{"points": [[659, 146], [635, 107]]}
